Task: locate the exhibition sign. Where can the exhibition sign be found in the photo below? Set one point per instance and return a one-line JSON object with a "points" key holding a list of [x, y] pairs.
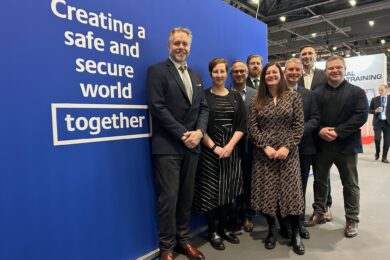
{"points": [[367, 72]]}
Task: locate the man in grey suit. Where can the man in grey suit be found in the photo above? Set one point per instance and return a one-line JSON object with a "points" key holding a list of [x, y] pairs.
{"points": [[179, 119], [239, 74], [312, 79], [381, 122]]}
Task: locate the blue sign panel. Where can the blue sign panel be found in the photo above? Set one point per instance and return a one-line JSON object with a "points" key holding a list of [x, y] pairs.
{"points": [[76, 172]]}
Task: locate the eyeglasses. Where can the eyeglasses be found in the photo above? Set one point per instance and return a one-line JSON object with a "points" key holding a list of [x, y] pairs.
{"points": [[238, 71]]}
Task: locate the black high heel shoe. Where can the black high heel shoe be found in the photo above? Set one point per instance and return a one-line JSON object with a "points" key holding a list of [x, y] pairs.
{"points": [[216, 241], [229, 236]]}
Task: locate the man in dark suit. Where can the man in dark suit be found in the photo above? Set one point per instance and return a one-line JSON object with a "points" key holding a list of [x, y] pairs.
{"points": [[179, 119], [343, 110], [312, 79], [239, 74], [254, 63], [381, 122], [307, 148]]}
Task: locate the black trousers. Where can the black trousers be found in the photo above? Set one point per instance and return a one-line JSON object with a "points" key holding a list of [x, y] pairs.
{"points": [[175, 179], [379, 127], [241, 207]]}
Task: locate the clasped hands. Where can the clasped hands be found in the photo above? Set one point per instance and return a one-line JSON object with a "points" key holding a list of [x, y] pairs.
{"points": [[281, 153], [192, 138], [224, 152], [328, 134]]}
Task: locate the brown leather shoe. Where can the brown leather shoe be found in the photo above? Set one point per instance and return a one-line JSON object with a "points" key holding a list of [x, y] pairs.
{"points": [[328, 215], [351, 229], [315, 219], [248, 224], [166, 256], [190, 251]]}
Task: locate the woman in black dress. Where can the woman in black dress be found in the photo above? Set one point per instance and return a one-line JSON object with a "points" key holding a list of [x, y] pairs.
{"points": [[219, 179]]}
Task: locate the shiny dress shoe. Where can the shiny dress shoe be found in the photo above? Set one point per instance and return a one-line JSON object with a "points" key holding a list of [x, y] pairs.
{"points": [[351, 229], [328, 214], [166, 256], [315, 219], [385, 160], [376, 156], [190, 251], [304, 233], [248, 224], [216, 241], [270, 240], [296, 242], [229, 236], [285, 232]]}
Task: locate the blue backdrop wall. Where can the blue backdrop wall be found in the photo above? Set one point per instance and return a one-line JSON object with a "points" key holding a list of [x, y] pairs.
{"points": [[76, 179]]}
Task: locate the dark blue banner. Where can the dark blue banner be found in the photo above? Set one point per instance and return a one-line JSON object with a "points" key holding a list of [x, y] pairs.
{"points": [[76, 172]]}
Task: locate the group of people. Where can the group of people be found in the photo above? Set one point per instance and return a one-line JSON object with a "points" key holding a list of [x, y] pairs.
{"points": [[252, 144]]}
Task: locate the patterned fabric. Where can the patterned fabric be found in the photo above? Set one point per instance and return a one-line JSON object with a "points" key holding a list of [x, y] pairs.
{"points": [[277, 182], [218, 181]]}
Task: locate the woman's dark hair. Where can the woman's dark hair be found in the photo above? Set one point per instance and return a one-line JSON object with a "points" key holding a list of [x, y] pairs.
{"points": [[263, 92], [215, 62]]}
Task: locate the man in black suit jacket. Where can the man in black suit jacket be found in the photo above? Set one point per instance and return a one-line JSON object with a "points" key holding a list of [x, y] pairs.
{"points": [[307, 148], [312, 79], [343, 110], [179, 119], [381, 122], [254, 63]]}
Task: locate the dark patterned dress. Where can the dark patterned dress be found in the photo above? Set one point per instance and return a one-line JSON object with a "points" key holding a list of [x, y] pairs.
{"points": [[277, 182], [218, 181]]}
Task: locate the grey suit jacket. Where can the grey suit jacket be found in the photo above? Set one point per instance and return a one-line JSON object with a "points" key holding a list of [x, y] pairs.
{"points": [[249, 96]]}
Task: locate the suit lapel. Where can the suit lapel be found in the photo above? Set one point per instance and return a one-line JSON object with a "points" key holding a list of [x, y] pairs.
{"points": [[195, 88], [175, 74], [315, 78]]}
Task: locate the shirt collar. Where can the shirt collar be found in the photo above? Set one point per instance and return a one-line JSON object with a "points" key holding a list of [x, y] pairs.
{"points": [[242, 91], [178, 65], [311, 71]]}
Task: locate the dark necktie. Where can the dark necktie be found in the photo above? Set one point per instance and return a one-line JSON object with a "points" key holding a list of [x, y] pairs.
{"points": [[256, 83], [187, 82]]}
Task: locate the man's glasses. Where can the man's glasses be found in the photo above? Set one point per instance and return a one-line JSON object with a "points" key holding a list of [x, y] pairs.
{"points": [[238, 71]]}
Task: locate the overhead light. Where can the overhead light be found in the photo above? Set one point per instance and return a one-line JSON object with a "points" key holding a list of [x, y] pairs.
{"points": [[347, 55], [383, 41], [282, 18], [352, 2], [255, 2], [334, 48], [313, 35], [294, 55], [388, 50], [371, 23]]}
